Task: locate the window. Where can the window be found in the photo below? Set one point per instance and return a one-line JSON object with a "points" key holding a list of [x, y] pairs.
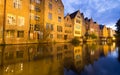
{"points": [[59, 36], [77, 26], [59, 19], [37, 18], [50, 6], [17, 3], [32, 16], [38, 1], [37, 27], [59, 28], [49, 26], [37, 9], [65, 47], [31, 27], [20, 34], [78, 17], [67, 25], [77, 21], [50, 16], [10, 33], [59, 10], [21, 21], [32, 7], [77, 32], [51, 36], [11, 19], [68, 31]]}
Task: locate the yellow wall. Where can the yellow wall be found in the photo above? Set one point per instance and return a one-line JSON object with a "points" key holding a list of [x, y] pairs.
{"points": [[79, 30], [68, 29], [24, 12]]}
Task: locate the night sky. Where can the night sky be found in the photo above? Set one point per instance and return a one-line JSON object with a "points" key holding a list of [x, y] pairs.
{"points": [[102, 11]]}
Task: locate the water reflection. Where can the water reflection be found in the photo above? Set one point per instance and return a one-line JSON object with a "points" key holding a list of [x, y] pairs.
{"points": [[50, 59]]}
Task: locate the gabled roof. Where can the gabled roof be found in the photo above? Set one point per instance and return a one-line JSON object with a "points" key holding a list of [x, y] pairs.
{"points": [[66, 15], [101, 26], [74, 14]]}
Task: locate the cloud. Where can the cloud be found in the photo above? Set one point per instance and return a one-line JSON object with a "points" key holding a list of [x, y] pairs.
{"points": [[102, 11]]}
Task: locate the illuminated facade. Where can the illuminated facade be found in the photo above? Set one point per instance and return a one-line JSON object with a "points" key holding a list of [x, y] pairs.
{"points": [[15, 22], [35, 21], [68, 27], [77, 22], [53, 20], [103, 32]]}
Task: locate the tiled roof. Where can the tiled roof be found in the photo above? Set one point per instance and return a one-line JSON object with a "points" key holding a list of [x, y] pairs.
{"points": [[74, 14], [101, 26]]}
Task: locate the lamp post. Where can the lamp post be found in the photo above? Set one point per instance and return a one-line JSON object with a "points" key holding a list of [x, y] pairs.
{"points": [[4, 22]]}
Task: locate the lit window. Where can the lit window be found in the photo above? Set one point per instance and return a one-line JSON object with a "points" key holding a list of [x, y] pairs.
{"points": [[10, 33], [77, 32], [50, 16], [77, 26], [11, 19], [17, 3], [32, 7], [21, 21], [20, 34]]}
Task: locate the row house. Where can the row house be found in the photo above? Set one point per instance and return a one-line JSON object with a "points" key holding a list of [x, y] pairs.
{"points": [[14, 24], [68, 28], [77, 24], [103, 34], [91, 27], [52, 20], [35, 17], [74, 26]]}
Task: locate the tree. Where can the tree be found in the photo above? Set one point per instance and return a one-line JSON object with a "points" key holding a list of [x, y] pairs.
{"points": [[118, 30]]}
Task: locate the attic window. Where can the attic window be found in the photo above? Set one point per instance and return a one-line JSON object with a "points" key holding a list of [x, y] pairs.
{"points": [[78, 16]]}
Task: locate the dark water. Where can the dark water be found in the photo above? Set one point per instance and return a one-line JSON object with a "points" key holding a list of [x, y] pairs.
{"points": [[60, 59]]}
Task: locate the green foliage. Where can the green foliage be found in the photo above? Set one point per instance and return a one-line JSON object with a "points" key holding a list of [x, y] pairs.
{"points": [[75, 41], [93, 36], [118, 28]]}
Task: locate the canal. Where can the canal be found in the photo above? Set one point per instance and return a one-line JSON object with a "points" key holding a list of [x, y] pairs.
{"points": [[60, 59]]}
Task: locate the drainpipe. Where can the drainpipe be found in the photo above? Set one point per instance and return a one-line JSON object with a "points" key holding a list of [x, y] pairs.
{"points": [[4, 22]]}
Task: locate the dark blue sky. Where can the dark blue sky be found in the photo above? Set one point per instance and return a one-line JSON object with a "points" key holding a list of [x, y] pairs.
{"points": [[102, 11]]}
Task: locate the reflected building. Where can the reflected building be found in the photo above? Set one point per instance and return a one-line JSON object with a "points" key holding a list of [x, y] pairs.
{"points": [[49, 59]]}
